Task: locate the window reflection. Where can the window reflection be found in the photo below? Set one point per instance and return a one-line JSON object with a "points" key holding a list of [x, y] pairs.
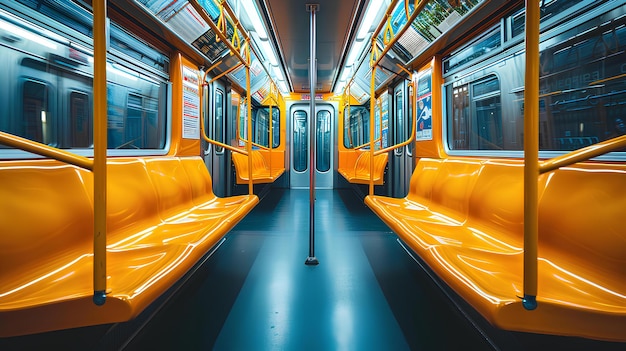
{"points": [[300, 141]]}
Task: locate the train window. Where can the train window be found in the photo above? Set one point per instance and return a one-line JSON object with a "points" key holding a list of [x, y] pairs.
{"points": [[81, 120], [478, 50], [582, 95], [409, 114], [36, 122], [437, 16], [54, 99], [550, 9], [133, 47], [475, 118], [518, 24], [243, 121], [381, 121], [73, 17], [275, 127], [582, 86], [233, 127], [134, 121], [399, 128], [356, 127], [323, 141], [218, 118], [300, 141], [261, 129]]}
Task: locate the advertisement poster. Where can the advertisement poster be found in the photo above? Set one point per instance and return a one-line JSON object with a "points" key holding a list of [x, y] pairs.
{"points": [[191, 104], [424, 124]]}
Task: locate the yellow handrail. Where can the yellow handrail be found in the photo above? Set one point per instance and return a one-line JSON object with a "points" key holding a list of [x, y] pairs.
{"points": [[220, 144], [377, 140], [45, 150], [404, 143], [203, 130], [249, 106], [243, 59], [98, 164], [99, 150], [220, 35], [375, 58], [531, 155], [223, 73], [583, 154]]}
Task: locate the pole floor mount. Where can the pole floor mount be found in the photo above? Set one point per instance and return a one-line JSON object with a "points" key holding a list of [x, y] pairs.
{"points": [[312, 7], [311, 261]]}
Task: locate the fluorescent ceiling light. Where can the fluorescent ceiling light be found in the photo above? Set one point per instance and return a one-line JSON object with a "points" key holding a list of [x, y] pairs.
{"points": [[374, 9], [282, 86], [249, 7], [339, 88], [355, 52], [268, 52], [278, 73]]}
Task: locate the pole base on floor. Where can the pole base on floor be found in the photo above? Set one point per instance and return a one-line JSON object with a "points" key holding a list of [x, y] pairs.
{"points": [[529, 302], [311, 261]]}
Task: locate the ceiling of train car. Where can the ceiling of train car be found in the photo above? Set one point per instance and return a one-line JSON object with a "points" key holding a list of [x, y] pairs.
{"points": [[291, 23]]}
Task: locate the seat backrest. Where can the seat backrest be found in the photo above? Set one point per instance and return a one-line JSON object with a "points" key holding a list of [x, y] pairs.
{"points": [[45, 211], [130, 194], [171, 183], [199, 179], [422, 180], [453, 186], [581, 213], [497, 198]]}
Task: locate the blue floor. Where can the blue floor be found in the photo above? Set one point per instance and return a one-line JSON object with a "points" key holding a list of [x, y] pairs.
{"points": [[257, 294]]}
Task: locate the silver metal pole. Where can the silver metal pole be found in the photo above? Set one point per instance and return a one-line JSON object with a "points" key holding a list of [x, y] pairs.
{"points": [[312, 260]]}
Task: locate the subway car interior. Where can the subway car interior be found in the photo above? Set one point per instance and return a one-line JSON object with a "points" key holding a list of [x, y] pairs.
{"points": [[313, 175]]}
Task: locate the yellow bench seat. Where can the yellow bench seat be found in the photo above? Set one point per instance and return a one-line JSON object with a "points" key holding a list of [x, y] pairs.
{"points": [[261, 171], [359, 171], [464, 218], [162, 218]]}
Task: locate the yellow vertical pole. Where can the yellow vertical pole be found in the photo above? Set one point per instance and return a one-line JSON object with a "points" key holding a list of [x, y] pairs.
{"points": [[99, 150], [372, 124], [531, 154], [248, 102]]}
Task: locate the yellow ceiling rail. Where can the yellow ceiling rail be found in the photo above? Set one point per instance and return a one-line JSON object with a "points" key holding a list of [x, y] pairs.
{"points": [[223, 73], [418, 8], [403, 69]]}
